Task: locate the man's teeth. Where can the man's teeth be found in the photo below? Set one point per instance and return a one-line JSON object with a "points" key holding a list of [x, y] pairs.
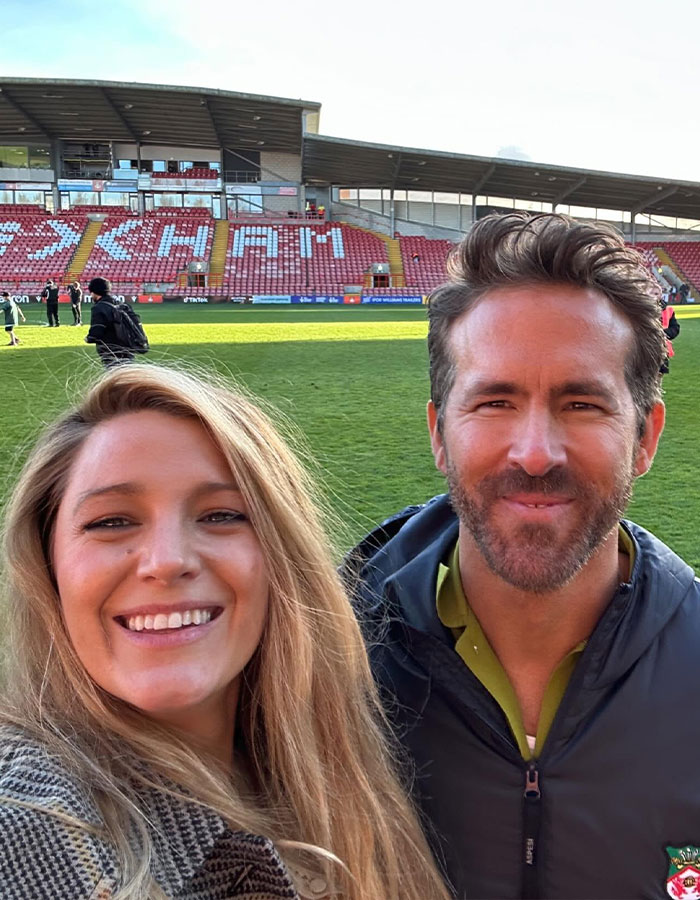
{"points": [[163, 621]]}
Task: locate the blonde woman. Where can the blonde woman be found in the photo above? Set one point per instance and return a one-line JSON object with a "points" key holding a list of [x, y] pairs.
{"points": [[188, 709]]}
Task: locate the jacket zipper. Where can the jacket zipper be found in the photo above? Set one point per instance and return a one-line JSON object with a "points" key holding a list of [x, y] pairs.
{"points": [[531, 831]]}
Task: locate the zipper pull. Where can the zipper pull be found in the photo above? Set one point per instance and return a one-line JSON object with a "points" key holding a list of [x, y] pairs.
{"points": [[532, 781]]}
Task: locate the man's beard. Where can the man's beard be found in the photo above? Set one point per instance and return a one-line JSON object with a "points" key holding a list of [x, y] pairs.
{"points": [[537, 557]]}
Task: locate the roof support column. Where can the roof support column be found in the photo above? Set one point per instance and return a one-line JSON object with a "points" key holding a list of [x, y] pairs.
{"points": [[392, 213], [139, 192], [56, 163], [633, 230]]}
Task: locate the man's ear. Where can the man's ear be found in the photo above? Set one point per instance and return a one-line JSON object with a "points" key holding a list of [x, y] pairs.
{"points": [[436, 441], [653, 426]]}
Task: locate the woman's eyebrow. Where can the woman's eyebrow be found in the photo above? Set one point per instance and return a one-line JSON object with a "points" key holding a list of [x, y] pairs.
{"points": [[123, 487]]}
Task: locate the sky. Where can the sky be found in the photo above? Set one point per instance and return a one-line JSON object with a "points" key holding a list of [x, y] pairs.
{"points": [[600, 84]]}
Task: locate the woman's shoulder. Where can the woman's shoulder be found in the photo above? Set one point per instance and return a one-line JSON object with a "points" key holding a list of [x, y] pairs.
{"points": [[31, 773], [49, 846]]}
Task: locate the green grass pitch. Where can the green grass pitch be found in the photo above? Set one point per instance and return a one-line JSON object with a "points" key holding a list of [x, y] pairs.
{"points": [[354, 381]]}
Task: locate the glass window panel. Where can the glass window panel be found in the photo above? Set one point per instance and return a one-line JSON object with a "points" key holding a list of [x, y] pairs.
{"points": [[198, 200], [446, 198], [167, 199], [36, 197], [14, 157], [115, 198], [370, 194], [186, 164], [610, 215], [420, 196], [39, 158], [158, 165], [84, 198], [7, 197]]}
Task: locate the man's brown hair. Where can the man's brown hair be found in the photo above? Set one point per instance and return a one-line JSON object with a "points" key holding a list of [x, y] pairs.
{"points": [[516, 250]]}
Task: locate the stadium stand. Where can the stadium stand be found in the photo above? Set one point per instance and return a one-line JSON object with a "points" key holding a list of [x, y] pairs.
{"points": [[424, 261], [683, 256], [35, 246], [283, 259], [155, 247]]}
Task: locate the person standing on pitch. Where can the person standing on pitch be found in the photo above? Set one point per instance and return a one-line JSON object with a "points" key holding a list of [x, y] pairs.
{"points": [[50, 292], [12, 314], [541, 656], [102, 332], [76, 298]]}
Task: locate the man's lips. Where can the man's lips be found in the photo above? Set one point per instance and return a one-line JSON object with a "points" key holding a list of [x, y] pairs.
{"points": [[538, 500]]}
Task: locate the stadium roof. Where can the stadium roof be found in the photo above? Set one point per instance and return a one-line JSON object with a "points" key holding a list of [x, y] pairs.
{"points": [[330, 160], [41, 109]]}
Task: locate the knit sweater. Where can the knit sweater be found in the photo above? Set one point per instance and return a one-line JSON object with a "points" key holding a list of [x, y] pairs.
{"points": [[196, 855]]}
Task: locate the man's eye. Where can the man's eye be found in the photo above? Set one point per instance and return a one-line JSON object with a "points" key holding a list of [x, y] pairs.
{"points": [[492, 404], [582, 405], [224, 516], [108, 522]]}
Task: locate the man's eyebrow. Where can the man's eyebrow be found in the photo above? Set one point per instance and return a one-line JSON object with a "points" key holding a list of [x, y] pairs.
{"points": [[584, 388], [486, 387]]}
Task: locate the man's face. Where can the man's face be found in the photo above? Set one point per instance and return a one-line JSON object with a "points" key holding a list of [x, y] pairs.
{"points": [[539, 440]]}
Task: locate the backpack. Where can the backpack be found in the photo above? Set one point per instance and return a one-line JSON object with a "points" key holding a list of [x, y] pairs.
{"points": [[128, 328]]}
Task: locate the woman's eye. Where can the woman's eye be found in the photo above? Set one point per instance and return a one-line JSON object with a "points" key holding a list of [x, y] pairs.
{"points": [[224, 516], [108, 522]]}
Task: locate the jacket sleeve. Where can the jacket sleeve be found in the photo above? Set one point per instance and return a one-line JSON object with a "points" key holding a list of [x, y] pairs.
{"points": [[100, 322], [673, 329], [43, 858]]}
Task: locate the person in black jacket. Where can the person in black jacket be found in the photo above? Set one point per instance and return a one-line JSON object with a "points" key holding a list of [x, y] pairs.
{"points": [[539, 656], [76, 299], [50, 293], [102, 331]]}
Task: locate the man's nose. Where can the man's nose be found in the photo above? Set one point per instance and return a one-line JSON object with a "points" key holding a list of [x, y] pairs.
{"points": [[538, 443], [167, 552]]}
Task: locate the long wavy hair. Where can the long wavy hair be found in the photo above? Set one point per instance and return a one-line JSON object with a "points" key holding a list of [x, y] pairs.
{"points": [[309, 722]]}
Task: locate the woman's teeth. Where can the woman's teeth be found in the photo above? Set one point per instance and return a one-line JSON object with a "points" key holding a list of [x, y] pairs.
{"points": [[163, 621]]}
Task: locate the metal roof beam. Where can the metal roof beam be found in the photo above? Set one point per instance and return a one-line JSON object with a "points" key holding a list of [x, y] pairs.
{"points": [[23, 112], [117, 112], [478, 185], [567, 192], [655, 197], [215, 129]]}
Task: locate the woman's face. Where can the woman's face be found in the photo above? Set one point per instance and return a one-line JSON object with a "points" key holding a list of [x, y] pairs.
{"points": [[162, 579]]}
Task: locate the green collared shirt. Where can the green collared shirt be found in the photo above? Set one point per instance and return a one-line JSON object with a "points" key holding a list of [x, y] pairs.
{"points": [[472, 645]]}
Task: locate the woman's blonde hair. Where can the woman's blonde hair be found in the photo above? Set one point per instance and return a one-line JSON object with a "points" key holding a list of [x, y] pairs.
{"points": [[309, 720]]}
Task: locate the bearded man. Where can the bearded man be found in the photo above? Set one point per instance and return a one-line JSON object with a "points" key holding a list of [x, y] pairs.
{"points": [[539, 655]]}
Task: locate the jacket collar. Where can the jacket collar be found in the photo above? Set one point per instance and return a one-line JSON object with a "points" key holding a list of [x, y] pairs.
{"points": [[405, 571]]}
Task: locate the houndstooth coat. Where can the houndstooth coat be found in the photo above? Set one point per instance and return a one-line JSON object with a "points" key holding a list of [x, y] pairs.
{"points": [[197, 857]]}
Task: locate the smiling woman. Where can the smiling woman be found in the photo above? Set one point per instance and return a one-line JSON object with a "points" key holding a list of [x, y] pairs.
{"points": [[188, 709]]}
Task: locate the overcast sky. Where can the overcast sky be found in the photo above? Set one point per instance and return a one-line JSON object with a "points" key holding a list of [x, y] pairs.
{"points": [[602, 84]]}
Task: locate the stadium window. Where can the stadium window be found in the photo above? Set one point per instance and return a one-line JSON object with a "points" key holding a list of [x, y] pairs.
{"points": [[609, 215], [216, 166], [115, 198], [400, 195], [84, 198], [186, 164], [167, 200], [158, 165], [7, 197], [33, 197], [197, 200], [446, 198], [39, 157], [14, 157], [125, 164], [173, 167]]}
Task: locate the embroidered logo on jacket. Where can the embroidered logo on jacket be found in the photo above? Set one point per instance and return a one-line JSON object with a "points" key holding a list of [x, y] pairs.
{"points": [[683, 882]]}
